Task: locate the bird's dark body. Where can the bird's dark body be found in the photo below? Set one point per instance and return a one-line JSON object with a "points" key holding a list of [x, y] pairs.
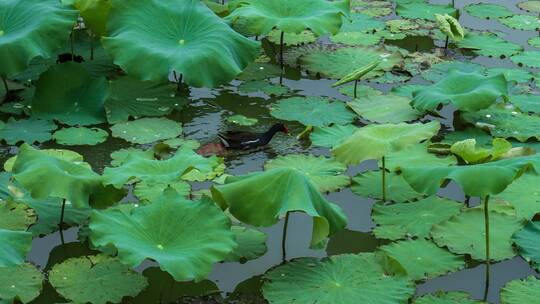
{"points": [[239, 140]]}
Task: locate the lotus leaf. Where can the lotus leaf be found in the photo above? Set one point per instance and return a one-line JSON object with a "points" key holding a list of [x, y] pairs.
{"points": [[120, 157], [331, 136], [384, 108], [439, 71], [263, 86], [488, 10], [517, 75], [369, 185], [423, 10], [303, 37], [534, 41], [15, 216], [68, 93], [80, 136], [421, 259], [471, 154], [251, 244], [466, 91], [27, 130], [147, 130], [20, 283], [464, 234], [259, 71], [14, 245], [184, 237], [358, 73], [450, 26], [325, 173], [361, 90], [30, 29], [528, 243], [196, 43], [72, 277], [150, 191], [242, 120], [526, 102], [95, 14], [376, 141], [67, 155], [530, 6], [528, 58], [312, 111], [345, 279], [521, 291], [358, 22], [356, 38], [48, 211], [279, 191], [372, 8], [523, 196], [488, 44], [416, 155], [407, 90], [412, 219], [521, 22], [451, 297], [129, 97]]}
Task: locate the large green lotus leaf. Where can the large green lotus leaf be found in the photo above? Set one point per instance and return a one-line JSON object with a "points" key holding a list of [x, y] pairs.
{"points": [[147, 130], [471, 154], [20, 283], [121, 156], [451, 297], [506, 123], [14, 245], [72, 277], [45, 176], [521, 291], [397, 190], [423, 10], [344, 279], [412, 219], [15, 216], [358, 22], [528, 58], [420, 259], [521, 22], [376, 141], [343, 61], [312, 111], [275, 192], [528, 243], [530, 6], [415, 155], [139, 168], [150, 191], [475, 180], [31, 28], [523, 196], [67, 155], [80, 136], [251, 244], [517, 75], [464, 234], [27, 130], [129, 97], [525, 102], [67, 93], [95, 14], [384, 108], [440, 70], [325, 173], [181, 36], [184, 237], [488, 10], [466, 91], [489, 44], [331, 136], [319, 16]]}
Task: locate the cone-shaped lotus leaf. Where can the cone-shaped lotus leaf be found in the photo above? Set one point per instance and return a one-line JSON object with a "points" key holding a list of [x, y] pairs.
{"points": [[31, 28], [384, 108], [464, 234], [14, 245], [451, 297], [147, 130], [72, 277], [325, 173], [319, 16], [369, 185], [80, 136], [312, 111], [331, 136], [251, 244], [20, 283], [528, 243], [420, 259], [344, 279], [471, 154], [475, 180], [27, 130], [521, 291], [358, 73], [376, 141], [94, 12], [67, 93], [181, 36], [466, 91], [184, 237], [412, 219], [261, 198], [45, 176], [450, 26], [523, 195], [15, 216]]}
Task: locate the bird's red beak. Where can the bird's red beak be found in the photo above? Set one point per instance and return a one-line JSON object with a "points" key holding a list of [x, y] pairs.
{"points": [[285, 130]]}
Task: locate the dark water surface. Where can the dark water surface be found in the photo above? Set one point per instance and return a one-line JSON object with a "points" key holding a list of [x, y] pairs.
{"points": [[204, 117]]}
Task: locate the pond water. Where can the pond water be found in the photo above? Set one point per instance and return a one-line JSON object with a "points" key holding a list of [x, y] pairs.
{"points": [[205, 116]]}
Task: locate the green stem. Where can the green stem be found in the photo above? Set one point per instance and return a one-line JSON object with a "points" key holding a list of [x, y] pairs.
{"points": [[91, 45], [486, 222], [384, 179], [5, 85], [281, 56], [72, 45], [62, 214], [467, 200], [453, 4], [355, 87], [284, 238], [446, 43]]}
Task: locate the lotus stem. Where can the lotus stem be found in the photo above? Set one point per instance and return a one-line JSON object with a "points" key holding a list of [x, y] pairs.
{"points": [[284, 238], [453, 4], [486, 221], [91, 45], [446, 43], [62, 214], [467, 200], [281, 56], [355, 88], [5, 84], [384, 179], [178, 80], [71, 42]]}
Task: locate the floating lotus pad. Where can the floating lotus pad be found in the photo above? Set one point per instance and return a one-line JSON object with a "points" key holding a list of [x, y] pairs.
{"points": [[451, 297], [251, 244], [72, 277], [372, 8], [280, 190], [331, 136], [356, 38], [14, 246], [521, 291], [412, 219], [422, 10], [203, 48], [522, 195], [27, 130], [530, 6], [293, 39], [121, 156], [528, 243], [488, 10], [67, 155], [517, 75], [147, 130], [439, 71], [345, 278], [32, 28], [362, 90], [15, 216], [526, 102], [358, 22], [312, 111], [528, 58], [22, 283], [521, 22], [488, 44], [384, 108], [325, 173], [80, 136], [242, 120], [150, 191], [397, 190], [416, 155]]}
